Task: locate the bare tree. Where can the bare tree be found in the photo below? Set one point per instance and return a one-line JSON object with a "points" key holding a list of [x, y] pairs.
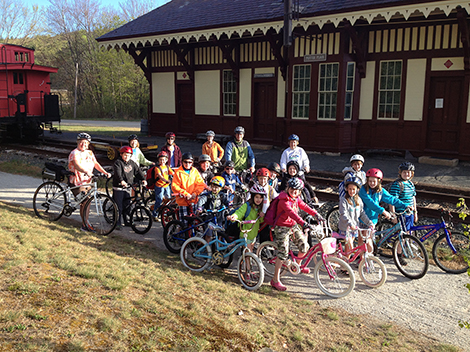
{"points": [[132, 9], [18, 21]]}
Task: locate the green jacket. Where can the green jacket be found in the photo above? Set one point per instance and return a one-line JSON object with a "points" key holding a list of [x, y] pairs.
{"points": [[253, 215]]}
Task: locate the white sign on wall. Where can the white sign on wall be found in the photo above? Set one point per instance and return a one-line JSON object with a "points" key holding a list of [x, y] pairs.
{"points": [[439, 103]]}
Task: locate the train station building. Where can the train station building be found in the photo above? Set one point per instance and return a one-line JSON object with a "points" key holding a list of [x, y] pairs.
{"points": [[358, 75]]}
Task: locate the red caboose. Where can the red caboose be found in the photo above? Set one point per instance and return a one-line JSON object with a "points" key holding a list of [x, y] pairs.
{"points": [[26, 102]]}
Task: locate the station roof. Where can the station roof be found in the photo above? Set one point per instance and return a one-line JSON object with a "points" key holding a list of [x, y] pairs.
{"points": [[188, 19]]}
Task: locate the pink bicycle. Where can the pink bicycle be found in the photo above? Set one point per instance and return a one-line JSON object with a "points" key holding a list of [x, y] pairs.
{"points": [[333, 275]]}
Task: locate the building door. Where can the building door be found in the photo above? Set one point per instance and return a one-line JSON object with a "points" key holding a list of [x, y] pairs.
{"points": [[445, 113], [185, 108], [264, 111]]}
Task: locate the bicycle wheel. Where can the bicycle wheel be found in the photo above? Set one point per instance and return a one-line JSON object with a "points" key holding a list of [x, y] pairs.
{"points": [[386, 249], [168, 213], [109, 187], [102, 214], [141, 220], [174, 235], [342, 280], [250, 271], [413, 262], [49, 201], [446, 259], [372, 271], [150, 203], [196, 254], [332, 218], [267, 253]]}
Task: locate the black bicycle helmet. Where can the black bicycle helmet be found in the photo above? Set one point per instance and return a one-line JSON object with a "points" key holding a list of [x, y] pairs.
{"points": [[187, 156], [295, 163], [295, 183], [274, 167], [229, 163], [132, 137], [406, 166], [83, 135]]}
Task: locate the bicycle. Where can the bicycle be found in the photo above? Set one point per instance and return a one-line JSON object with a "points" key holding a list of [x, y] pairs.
{"points": [[450, 248], [168, 210], [135, 214], [197, 255], [53, 199], [176, 232], [372, 271], [333, 276], [409, 254]]}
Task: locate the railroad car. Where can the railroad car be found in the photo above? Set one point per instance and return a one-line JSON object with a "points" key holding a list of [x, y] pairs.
{"points": [[26, 103]]}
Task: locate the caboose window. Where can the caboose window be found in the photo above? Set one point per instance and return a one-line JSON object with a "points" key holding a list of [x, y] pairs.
{"points": [[17, 56], [21, 57], [17, 78]]}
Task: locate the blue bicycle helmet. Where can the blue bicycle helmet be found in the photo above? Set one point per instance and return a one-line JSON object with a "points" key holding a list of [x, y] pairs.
{"points": [[353, 180], [293, 137], [406, 166]]}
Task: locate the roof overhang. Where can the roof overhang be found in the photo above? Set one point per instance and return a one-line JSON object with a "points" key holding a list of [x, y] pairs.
{"points": [[369, 15]]}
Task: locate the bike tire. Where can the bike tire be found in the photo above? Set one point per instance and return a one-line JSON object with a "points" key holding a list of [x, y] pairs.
{"points": [[267, 253], [341, 284], [446, 259], [250, 271], [174, 235], [372, 271], [109, 187], [102, 214], [196, 254], [332, 218], [149, 203], [415, 260], [49, 201], [167, 214], [141, 220]]}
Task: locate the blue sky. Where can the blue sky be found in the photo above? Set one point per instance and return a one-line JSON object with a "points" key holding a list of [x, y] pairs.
{"points": [[114, 3]]}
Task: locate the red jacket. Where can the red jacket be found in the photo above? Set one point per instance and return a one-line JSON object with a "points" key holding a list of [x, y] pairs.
{"points": [[288, 210]]}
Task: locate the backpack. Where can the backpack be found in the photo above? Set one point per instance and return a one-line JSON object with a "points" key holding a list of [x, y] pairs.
{"points": [[150, 178], [400, 183], [271, 215]]}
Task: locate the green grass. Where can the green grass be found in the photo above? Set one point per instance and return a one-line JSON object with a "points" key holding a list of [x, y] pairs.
{"points": [[65, 290], [121, 132]]}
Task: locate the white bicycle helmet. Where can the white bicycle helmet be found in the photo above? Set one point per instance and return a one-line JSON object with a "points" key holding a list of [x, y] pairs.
{"points": [[257, 189], [84, 135], [357, 157]]}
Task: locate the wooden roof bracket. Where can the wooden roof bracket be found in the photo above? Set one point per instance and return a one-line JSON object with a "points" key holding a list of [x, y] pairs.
{"points": [[358, 47], [277, 48], [139, 60], [181, 55], [464, 37], [227, 52]]}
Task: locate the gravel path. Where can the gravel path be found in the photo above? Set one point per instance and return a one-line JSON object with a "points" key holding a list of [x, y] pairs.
{"points": [[432, 305]]}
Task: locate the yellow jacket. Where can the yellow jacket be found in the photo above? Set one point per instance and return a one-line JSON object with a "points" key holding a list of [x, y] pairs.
{"points": [[187, 184]]}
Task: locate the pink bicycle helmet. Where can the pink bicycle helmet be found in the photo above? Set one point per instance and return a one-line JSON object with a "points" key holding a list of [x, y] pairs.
{"points": [[375, 173]]}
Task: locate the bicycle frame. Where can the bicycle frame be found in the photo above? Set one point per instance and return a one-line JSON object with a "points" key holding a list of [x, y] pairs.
{"points": [[387, 234], [433, 228], [355, 252]]}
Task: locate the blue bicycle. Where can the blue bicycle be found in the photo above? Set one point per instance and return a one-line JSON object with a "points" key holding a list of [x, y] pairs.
{"points": [[197, 255], [409, 254]]}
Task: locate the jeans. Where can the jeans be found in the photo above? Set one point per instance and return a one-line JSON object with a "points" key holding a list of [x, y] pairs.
{"points": [[160, 193], [122, 199]]}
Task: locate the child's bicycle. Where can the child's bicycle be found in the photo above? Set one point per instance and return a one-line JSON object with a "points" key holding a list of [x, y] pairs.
{"points": [[197, 255], [450, 248], [168, 210], [53, 199], [371, 269], [409, 254], [333, 276]]}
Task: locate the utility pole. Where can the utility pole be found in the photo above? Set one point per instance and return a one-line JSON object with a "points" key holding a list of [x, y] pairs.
{"points": [[75, 98], [287, 23]]}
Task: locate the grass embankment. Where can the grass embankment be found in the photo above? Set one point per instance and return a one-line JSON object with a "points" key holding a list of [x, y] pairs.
{"points": [[111, 131], [65, 290]]}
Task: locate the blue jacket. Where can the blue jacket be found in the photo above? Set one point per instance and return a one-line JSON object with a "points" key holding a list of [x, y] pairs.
{"points": [[372, 201]]}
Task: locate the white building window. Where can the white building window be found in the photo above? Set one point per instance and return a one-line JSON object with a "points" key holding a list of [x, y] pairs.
{"points": [[328, 91], [389, 89], [348, 104], [301, 92], [230, 93]]}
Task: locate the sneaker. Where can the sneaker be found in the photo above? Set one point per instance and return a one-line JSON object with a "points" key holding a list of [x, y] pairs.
{"points": [[118, 228], [344, 272], [278, 286], [402, 260], [251, 277], [156, 219], [90, 228], [84, 228], [305, 270]]}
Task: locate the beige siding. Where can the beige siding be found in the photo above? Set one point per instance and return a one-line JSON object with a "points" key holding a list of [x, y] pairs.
{"points": [[438, 64], [281, 95], [261, 70], [414, 97], [245, 92], [367, 92], [163, 93], [207, 92]]}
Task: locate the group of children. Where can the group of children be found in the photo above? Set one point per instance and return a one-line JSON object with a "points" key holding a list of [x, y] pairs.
{"points": [[198, 189]]}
